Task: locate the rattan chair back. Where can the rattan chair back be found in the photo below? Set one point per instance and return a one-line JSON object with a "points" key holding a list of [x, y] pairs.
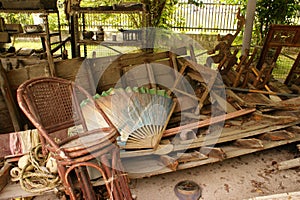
{"points": [[53, 104]]}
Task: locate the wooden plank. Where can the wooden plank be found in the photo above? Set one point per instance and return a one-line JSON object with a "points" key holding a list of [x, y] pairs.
{"points": [[277, 135], [213, 152], [9, 99], [139, 58], [4, 145], [188, 157], [223, 103], [4, 175], [252, 143], [282, 196], [169, 162], [226, 135], [149, 166], [162, 149], [49, 54], [289, 164], [210, 121]]}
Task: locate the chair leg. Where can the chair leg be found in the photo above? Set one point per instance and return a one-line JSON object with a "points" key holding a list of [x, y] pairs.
{"points": [[119, 184], [85, 184], [66, 181], [107, 169], [122, 177], [87, 189]]}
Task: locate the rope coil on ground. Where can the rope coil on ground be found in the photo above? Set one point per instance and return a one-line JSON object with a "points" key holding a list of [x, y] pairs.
{"points": [[34, 176]]}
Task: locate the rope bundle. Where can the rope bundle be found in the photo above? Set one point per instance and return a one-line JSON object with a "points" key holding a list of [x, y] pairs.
{"points": [[33, 174]]}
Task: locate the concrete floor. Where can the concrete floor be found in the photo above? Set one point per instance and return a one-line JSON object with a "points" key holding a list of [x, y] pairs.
{"points": [[238, 178], [243, 177]]}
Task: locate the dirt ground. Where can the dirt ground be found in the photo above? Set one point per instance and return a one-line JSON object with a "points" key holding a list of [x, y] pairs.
{"points": [[243, 177]]}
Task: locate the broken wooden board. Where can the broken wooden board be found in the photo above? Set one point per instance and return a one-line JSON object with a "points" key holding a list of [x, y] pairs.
{"points": [[289, 164], [169, 161], [213, 152], [162, 149], [4, 175], [188, 157], [210, 121], [248, 129], [282, 196], [277, 135], [258, 125], [151, 166], [252, 143]]}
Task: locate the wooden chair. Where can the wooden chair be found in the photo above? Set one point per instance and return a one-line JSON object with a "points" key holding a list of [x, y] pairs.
{"points": [[53, 104]]}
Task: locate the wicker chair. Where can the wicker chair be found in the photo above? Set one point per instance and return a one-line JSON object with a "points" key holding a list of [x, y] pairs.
{"points": [[52, 105]]}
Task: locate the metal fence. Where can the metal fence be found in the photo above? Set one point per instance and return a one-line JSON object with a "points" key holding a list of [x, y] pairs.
{"points": [[111, 21], [206, 18], [210, 17]]}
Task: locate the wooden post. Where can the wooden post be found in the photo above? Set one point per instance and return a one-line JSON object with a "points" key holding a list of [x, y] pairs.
{"points": [[9, 100], [48, 45]]}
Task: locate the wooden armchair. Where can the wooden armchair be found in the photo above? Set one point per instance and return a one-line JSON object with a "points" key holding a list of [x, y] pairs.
{"points": [[53, 104]]}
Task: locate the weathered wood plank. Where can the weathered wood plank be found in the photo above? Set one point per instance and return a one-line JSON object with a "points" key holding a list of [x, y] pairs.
{"points": [[213, 152], [210, 121], [4, 175], [193, 156], [289, 164], [149, 166], [169, 162], [277, 135], [249, 143], [227, 135], [9, 99]]}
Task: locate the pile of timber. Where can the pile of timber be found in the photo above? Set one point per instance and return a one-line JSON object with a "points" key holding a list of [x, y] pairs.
{"points": [[243, 122], [250, 118]]}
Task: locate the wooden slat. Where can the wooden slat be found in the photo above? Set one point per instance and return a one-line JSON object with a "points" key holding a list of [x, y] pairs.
{"points": [[289, 164], [208, 122], [149, 166], [225, 136], [4, 175]]}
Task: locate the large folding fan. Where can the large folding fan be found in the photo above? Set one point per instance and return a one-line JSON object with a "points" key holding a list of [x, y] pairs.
{"points": [[140, 114]]}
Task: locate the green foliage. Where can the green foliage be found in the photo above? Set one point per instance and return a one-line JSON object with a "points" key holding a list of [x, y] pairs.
{"points": [[269, 12], [274, 12], [17, 18], [161, 12]]}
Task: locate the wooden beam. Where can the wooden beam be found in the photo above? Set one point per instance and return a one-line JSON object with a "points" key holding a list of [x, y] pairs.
{"points": [[4, 175], [289, 164], [213, 120], [9, 100], [148, 166]]}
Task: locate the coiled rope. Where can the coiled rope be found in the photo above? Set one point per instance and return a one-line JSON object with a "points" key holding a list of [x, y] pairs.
{"points": [[34, 176]]}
